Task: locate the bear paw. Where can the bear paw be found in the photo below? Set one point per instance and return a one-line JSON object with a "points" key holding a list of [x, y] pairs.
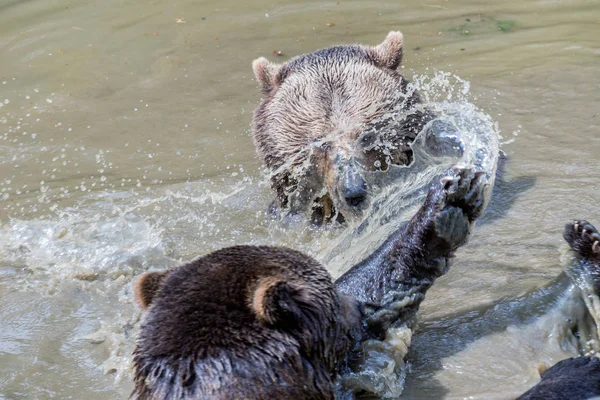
{"points": [[584, 239], [465, 188], [456, 203]]}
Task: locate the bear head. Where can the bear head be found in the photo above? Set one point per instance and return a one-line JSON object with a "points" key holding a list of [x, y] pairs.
{"points": [[329, 121], [217, 324]]}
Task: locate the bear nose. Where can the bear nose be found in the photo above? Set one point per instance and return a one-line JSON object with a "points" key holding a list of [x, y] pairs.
{"points": [[354, 189]]}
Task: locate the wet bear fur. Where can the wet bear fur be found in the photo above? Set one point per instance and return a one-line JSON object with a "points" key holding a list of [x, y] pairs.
{"points": [[217, 323], [329, 119]]}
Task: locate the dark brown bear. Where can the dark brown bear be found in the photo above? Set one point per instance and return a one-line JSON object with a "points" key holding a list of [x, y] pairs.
{"points": [[268, 323], [242, 323], [329, 120]]}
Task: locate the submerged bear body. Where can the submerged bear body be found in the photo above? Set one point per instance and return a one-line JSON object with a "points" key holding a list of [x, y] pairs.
{"points": [[267, 322]]}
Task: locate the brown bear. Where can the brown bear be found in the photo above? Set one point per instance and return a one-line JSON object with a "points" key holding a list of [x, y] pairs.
{"points": [[266, 322], [331, 122], [250, 322]]}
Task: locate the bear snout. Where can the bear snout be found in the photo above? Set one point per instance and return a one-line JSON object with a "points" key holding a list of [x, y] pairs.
{"points": [[353, 188]]}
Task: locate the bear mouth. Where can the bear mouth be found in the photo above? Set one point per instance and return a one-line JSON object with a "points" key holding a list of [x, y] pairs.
{"points": [[324, 211]]}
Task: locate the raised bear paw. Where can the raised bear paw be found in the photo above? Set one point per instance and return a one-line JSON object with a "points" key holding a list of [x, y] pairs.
{"points": [[453, 205], [584, 239]]}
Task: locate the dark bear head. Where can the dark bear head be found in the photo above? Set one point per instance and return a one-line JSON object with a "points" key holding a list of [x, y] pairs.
{"points": [[216, 325], [330, 120]]}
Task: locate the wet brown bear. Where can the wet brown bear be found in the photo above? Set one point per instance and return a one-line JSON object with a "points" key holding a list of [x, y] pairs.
{"points": [[328, 121], [252, 322], [267, 323], [222, 320]]}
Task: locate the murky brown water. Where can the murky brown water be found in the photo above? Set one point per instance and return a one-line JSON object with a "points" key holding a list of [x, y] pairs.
{"points": [[125, 146]]}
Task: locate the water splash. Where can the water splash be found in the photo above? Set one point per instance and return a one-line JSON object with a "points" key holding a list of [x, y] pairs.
{"points": [[102, 231], [403, 189]]}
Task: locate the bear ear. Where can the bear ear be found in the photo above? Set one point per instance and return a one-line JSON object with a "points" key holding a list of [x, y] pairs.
{"points": [[275, 301], [266, 73], [388, 54], [146, 287]]}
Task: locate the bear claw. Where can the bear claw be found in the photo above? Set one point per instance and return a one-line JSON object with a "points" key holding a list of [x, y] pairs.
{"points": [[583, 238], [464, 188], [455, 205]]}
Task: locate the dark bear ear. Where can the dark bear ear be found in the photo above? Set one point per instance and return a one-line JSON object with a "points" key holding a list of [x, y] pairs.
{"points": [[266, 73], [275, 301], [146, 287], [388, 54]]}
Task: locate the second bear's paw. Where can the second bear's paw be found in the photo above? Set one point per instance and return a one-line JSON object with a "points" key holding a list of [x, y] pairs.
{"points": [[584, 239]]}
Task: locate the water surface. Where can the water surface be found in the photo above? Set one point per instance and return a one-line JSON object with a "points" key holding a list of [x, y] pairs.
{"points": [[125, 146]]}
